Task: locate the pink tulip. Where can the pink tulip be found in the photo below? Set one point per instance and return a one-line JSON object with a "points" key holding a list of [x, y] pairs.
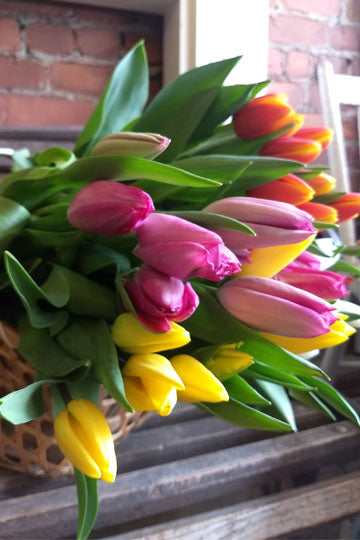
{"points": [[275, 223], [159, 298], [305, 260], [278, 308], [182, 249], [324, 283], [109, 208]]}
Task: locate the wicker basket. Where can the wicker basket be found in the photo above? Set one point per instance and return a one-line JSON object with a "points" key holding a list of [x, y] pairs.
{"points": [[31, 448]]}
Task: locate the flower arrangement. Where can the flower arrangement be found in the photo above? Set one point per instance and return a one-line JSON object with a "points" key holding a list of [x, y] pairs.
{"points": [[174, 257]]}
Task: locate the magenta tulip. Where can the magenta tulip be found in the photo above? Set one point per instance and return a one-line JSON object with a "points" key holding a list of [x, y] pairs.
{"points": [[305, 260], [324, 283], [278, 308], [109, 208], [183, 250], [275, 223], [159, 298]]}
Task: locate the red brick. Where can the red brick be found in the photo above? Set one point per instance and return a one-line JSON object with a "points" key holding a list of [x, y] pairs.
{"points": [[322, 7], [274, 3], [275, 62], [294, 91], [313, 120], [153, 46], [22, 110], [46, 9], [3, 109], [299, 64], [314, 97], [102, 16], [349, 124], [339, 64], [50, 38], [21, 74], [98, 42], [79, 78], [297, 30], [355, 66], [353, 10], [345, 37], [9, 35]]}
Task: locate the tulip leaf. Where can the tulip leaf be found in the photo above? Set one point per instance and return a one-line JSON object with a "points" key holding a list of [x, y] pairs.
{"points": [[44, 239], [238, 413], [280, 402], [324, 225], [86, 388], [213, 221], [264, 372], [310, 399], [88, 505], [23, 405], [55, 157], [345, 268], [31, 192], [93, 257], [311, 172], [239, 389], [121, 102], [35, 173], [13, 218], [188, 97], [330, 197]]}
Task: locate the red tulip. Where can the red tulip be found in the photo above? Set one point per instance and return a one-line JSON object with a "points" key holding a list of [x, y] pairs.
{"points": [[304, 150], [322, 183], [320, 212], [289, 189], [347, 206], [322, 135]]}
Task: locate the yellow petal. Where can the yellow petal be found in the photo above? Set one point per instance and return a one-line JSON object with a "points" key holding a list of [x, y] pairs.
{"points": [[154, 366], [169, 404], [158, 391], [137, 394], [302, 345], [227, 362]]}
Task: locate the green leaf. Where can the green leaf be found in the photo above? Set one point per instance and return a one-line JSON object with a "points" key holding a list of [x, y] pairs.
{"points": [[87, 504], [264, 372], [35, 173], [330, 197], [31, 192], [345, 268], [213, 221], [310, 399], [311, 172], [281, 404], [86, 388], [93, 257], [23, 405], [13, 218], [240, 390], [178, 108], [324, 225], [45, 239], [121, 102], [55, 157]]}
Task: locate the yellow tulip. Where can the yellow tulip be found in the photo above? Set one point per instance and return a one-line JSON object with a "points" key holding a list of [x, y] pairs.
{"points": [[132, 337], [200, 383], [84, 437], [228, 360]]}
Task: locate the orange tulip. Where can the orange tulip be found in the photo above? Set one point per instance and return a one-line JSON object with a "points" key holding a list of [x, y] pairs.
{"points": [[304, 150], [289, 189], [322, 135], [320, 212], [297, 120], [263, 115], [347, 206], [321, 184]]}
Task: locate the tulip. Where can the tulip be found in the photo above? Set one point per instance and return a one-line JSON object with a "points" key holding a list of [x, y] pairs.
{"points": [[132, 337], [200, 383], [320, 212], [262, 115], [130, 144], [324, 136], [347, 206], [228, 360], [305, 260], [109, 208], [84, 437], [183, 250], [271, 306], [288, 189], [297, 121], [324, 283], [339, 333], [322, 183], [275, 223], [151, 383], [159, 298], [304, 150]]}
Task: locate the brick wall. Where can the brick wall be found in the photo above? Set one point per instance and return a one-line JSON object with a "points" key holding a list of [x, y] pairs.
{"points": [[304, 32], [55, 59]]}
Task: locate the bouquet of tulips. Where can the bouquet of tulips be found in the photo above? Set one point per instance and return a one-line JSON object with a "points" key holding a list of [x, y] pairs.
{"points": [[173, 256]]}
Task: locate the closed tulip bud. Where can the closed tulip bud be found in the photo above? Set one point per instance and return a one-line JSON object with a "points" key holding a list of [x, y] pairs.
{"points": [[278, 308], [275, 223], [132, 337], [304, 150], [151, 383], [288, 189], [305, 260], [262, 115], [322, 183], [109, 208], [200, 383], [228, 360], [324, 283], [320, 212], [84, 437], [182, 249], [297, 121], [322, 135], [131, 144], [347, 206], [159, 298]]}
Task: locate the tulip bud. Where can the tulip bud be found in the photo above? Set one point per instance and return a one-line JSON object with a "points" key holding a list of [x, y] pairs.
{"points": [[305, 260], [278, 308], [109, 208], [228, 360], [304, 150], [323, 283], [297, 121], [84, 437], [132, 337], [288, 189], [131, 144], [159, 298], [320, 212], [347, 206], [262, 115], [200, 383], [322, 183], [324, 136]]}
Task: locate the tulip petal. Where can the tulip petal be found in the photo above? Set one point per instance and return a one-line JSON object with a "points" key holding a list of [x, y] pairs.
{"points": [[136, 394], [153, 367]]}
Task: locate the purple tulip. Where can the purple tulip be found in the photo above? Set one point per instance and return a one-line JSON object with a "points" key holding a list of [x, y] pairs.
{"points": [[271, 306], [275, 223], [182, 249], [109, 208], [159, 298], [324, 283]]}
